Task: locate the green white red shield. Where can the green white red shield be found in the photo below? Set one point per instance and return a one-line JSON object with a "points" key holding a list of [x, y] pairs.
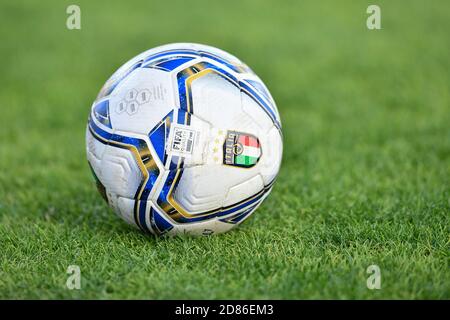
{"points": [[241, 149]]}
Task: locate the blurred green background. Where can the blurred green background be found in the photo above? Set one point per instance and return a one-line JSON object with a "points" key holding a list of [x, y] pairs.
{"points": [[366, 169]]}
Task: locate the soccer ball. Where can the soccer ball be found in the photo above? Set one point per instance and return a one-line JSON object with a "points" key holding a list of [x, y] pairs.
{"points": [[184, 139]]}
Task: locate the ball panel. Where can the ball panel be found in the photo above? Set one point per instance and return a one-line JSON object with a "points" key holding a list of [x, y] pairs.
{"points": [[202, 228], [244, 190], [204, 188], [119, 172], [273, 150], [141, 100], [94, 150], [204, 194], [217, 101], [257, 114], [125, 210]]}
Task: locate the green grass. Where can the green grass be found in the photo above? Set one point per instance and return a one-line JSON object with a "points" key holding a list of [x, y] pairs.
{"points": [[365, 177]]}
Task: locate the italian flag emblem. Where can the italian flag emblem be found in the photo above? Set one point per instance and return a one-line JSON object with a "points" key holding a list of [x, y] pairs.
{"points": [[241, 149]]}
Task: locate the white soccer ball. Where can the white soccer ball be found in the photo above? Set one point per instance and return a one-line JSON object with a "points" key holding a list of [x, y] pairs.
{"points": [[184, 138]]}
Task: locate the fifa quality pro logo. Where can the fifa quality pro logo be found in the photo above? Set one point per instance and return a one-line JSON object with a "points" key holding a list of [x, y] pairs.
{"points": [[182, 140], [241, 149]]}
